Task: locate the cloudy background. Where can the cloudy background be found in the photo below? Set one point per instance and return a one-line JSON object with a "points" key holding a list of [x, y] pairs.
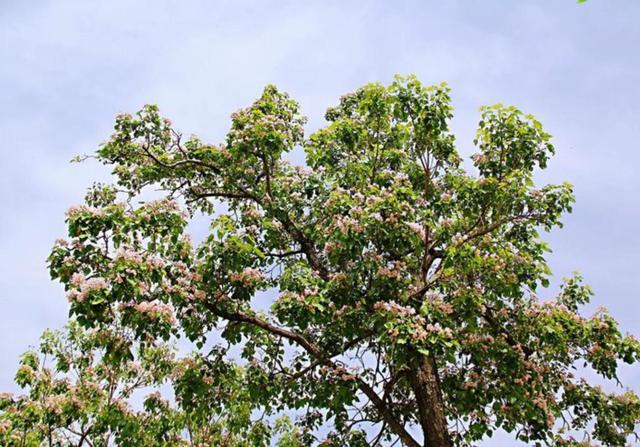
{"points": [[69, 66]]}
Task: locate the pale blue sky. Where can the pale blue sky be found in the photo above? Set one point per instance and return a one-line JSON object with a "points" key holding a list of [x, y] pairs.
{"points": [[69, 66]]}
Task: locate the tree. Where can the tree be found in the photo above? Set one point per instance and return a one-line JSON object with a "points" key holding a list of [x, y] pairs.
{"points": [[83, 387], [406, 306]]}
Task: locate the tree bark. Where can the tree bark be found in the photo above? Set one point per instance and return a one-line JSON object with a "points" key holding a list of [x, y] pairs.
{"points": [[425, 383]]}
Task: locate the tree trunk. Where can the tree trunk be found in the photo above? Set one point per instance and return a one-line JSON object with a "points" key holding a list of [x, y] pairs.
{"points": [[426, 387]]}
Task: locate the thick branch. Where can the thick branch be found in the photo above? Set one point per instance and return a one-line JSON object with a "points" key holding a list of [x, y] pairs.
{"points": [[306, 246], [319, 355]]}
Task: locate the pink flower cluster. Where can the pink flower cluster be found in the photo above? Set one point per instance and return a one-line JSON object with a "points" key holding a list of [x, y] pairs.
{"points": [[165, 206], [400, 177], [84, 286], [457, 239], [438, 329], [185, 283], [54, 404], [129, 255], [253, 213], [435, 300], [330, 246], [340, 372], [79, 209], [346, 224], [446, 223], [157, 310], [394, 308], [550, 308], [248, 277], [395, 272], [418, 229], [419, 330], [479, 158]]}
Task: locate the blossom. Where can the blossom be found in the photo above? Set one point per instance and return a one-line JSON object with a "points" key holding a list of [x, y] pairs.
{"points": [[330, 246], [168, 206], [54, 404], [400, 177], [395, 272], [77, 279], [479, 158], [154, 262], [418, 333], [121, 405], [445, 308], [254, 213], [346, 224], [74, 210], [198, 295], [84, 286], [536, 194], [248, 277], [457, 239], [394, 308], [302, 170], [418, 229], [432, 295], [157, 310], [446, 223], [129, 255], [94, 284]]}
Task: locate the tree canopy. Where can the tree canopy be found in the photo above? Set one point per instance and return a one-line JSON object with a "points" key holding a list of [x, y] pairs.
{"points": [[406, 283]]}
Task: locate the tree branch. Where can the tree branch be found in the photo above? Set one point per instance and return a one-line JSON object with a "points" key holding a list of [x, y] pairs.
{"points": [[319, 355]]}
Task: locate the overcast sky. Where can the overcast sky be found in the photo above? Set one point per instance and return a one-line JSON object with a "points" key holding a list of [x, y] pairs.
{"points": [[67, 67]]}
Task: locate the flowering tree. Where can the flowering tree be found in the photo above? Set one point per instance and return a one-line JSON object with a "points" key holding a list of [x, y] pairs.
{"points": [[83, 386], [406, 285]]}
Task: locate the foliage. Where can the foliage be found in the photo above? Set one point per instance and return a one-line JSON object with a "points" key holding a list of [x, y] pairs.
{"points": [[407, 286], [82, 387]]}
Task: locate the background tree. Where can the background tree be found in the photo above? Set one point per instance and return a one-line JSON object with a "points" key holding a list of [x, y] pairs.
{"points": [[406, 308], [85, 389]]}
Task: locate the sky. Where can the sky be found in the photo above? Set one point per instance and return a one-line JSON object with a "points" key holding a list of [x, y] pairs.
{"points": [[69, 66]]}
